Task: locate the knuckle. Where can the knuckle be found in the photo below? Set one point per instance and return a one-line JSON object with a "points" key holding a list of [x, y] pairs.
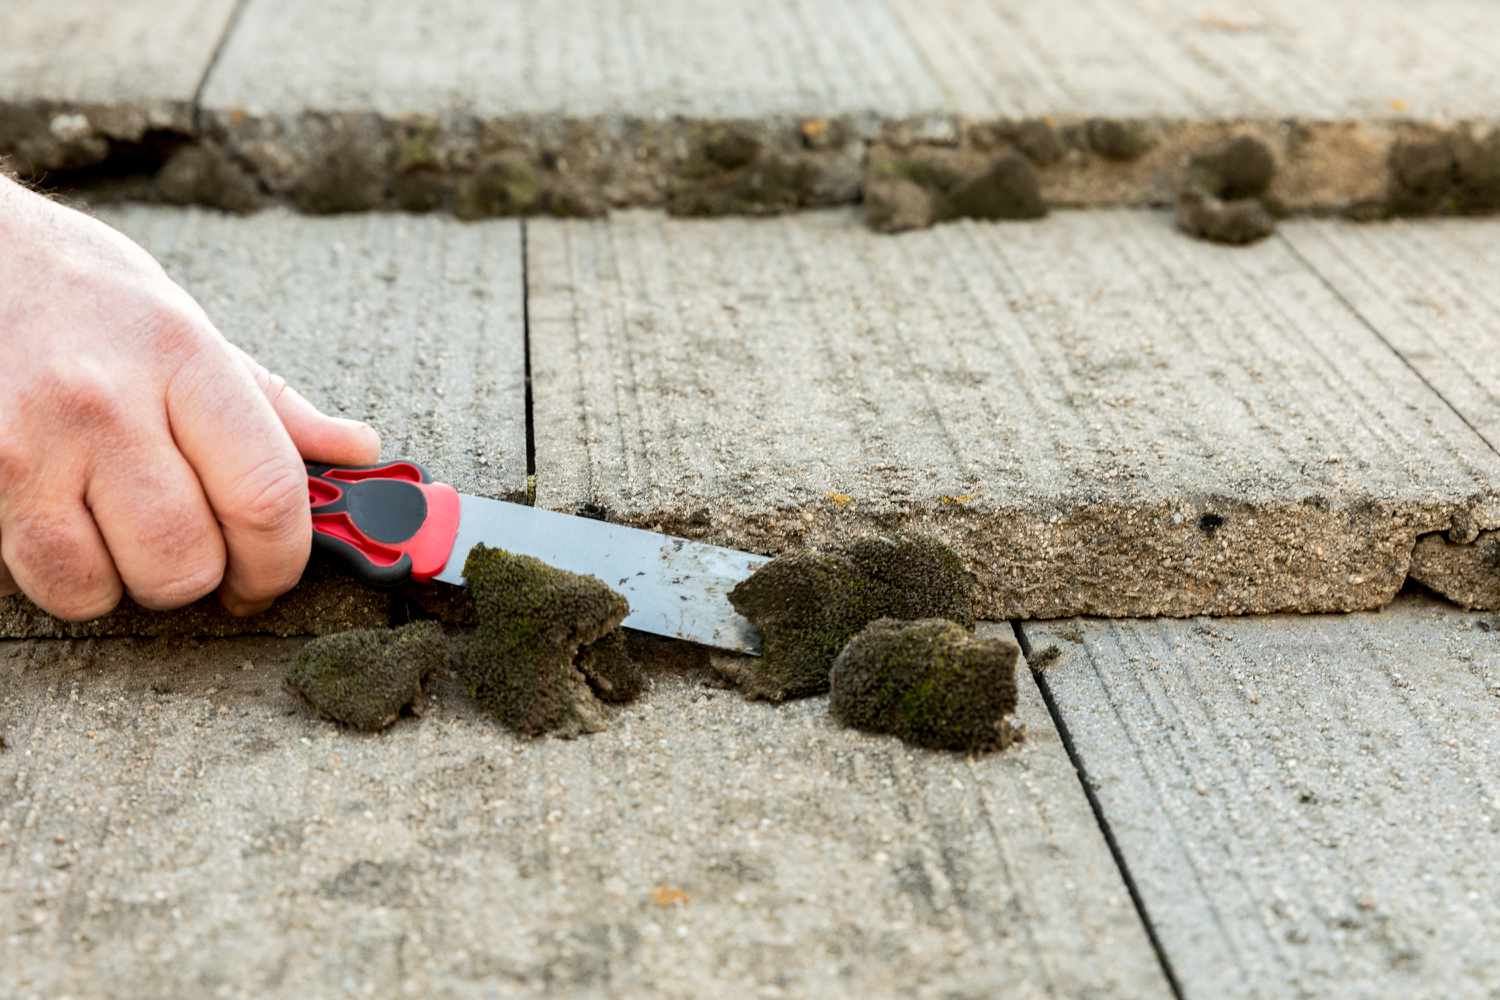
{"points": [[187, 560], [174, 336], [70, 580], [273, 385], [78, 395], [271, 498]]}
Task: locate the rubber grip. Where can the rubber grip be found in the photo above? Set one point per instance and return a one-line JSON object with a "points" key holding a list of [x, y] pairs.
{"points": [[388, 523]]}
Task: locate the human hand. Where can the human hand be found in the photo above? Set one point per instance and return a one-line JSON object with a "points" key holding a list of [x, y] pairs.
{"points": [[140, 451]]}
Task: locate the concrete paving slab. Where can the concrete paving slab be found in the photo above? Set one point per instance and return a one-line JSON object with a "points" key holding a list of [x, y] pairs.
{"points": [[79, 75], [169, 819], [1307, 806], [1100, 416], [1261, 59], [581, 58], [414, 324], [570, 107], [1427, 288]]}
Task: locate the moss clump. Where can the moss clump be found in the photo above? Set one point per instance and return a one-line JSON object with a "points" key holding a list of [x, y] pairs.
{"points": [[771, 182], [1243, 167], [365, 677], [507, 184], [1478, 163], [1236, 223], [1459, 172], [1117, 140], [1038, 141], [912, 189], [1008, 189], [1222, 197], [929, 682], [343, 175], [808, 605], [205, 175], [522, 663], [896, 205], [608, 667]]}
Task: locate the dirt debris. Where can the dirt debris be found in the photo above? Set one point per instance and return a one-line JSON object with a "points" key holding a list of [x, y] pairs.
{"points": [[365, 678], [525, 663], [929, 682], [809, 605], [1222, 198]]}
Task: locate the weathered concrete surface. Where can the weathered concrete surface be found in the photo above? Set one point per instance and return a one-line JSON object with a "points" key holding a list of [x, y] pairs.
{"points": [[1426, 288], [412, 324], [539, 106], [1307, 806], [577, 58], [1423, 288], [1100, 416], [171, 824], [78, 77], [1265, 59]]}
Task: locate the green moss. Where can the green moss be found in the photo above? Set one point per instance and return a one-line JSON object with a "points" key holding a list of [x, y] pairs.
{"points": [[1478, 163], [505, 185], [1243, 167], [1221, 199], [809, 605], [205, 175], [730, 148], [416, 146], [342, 176], [1424, 176], [931, 170], [1236, 223], [929, 682], [521, 664], [365, 677], [897, 205], [1009, 189], [1117, 140], [1038, 141], [608, 667], [773, 182]]}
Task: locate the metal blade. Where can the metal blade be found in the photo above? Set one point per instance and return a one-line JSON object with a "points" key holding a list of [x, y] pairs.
{"points": [[675, 587]]}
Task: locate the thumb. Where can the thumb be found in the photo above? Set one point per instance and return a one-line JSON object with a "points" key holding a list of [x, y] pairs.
{"points": [[317, 436]]}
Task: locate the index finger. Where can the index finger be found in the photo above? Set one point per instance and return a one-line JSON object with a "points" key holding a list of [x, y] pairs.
{"points": [[250, 471]]}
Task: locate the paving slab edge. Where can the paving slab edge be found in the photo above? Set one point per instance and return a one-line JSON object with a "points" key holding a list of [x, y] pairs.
{"points": [[1159, 559], [1236, 559], [478, 167]]}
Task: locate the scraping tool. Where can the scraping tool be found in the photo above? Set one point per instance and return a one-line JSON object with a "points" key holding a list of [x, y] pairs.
{"points": [[391, 523]]}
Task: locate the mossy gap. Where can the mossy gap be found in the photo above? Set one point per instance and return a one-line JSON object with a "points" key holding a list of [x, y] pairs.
{"points": [[1040, 678], [127, 159]]}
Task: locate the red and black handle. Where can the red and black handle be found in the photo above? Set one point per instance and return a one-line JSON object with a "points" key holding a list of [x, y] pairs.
{"points": [[390, 523]]}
